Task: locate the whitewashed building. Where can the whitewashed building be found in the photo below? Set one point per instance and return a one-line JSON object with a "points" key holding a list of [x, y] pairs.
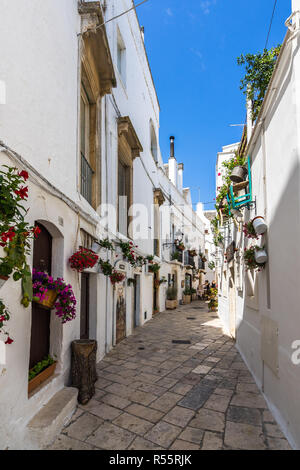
{"points": [[79, 112], [261, 309]]}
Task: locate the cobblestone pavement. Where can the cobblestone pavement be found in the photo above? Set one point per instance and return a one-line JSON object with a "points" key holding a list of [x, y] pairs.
{"points": [[154, 394]]}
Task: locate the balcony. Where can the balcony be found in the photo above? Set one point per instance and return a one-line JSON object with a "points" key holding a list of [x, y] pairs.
{"points": [[176, 255], [188, 259], [86, 179]]}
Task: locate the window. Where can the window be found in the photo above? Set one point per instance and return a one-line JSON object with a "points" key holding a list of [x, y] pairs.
{"points": [[86, 169], [121, 57], [153, 142], [123, 197]]}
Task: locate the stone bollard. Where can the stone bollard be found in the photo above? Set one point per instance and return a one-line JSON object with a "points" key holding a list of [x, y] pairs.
{"points": [[84, 373]]}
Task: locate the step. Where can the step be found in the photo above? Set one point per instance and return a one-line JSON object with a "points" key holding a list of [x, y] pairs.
{"points": [[52, 417]]}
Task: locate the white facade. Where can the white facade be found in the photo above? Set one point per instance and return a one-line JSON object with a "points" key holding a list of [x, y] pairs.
{"points": [[39, 132], [262, 309]]}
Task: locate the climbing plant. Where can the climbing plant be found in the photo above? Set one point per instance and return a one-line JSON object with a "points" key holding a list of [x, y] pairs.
{"points": [[259, 69]]}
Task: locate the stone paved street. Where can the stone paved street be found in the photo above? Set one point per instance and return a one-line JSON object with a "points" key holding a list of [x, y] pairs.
{"points": [[154, 394]]}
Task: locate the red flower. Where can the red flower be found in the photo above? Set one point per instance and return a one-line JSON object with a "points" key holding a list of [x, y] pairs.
{"points": [[23, 192], [24, 174], [9, 340], [36, 231]]}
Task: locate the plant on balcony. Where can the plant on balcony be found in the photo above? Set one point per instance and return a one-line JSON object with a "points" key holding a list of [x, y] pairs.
{"points": [[154, 268], [176, 256], [250, 259], [83, 259], [128, 252], [259, 69], [4, 317], [236, 161], [107, 244], [65, 302], [116, 277], [180, 246], [249, 231], [40, 366], [192, 253]]}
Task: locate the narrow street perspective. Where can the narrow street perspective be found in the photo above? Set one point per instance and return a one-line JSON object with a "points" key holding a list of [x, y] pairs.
{"points": [[149, 227], [177, 383]]}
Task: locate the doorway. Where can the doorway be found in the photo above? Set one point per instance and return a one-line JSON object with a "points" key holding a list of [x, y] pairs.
{"points": [[232, 307], [40, 318], [85, 306], [120, 312], [137, 300]]}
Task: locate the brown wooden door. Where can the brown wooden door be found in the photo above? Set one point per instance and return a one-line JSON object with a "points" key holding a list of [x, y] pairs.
{"points": [[40, 322], [121, 313], [84, 306]]}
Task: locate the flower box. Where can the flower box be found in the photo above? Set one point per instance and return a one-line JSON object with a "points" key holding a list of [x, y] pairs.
{"points": [[42, 377], [171, 304]]}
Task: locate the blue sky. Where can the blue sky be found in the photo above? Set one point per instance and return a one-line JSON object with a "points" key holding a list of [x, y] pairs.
{"points": [[192, 47]]}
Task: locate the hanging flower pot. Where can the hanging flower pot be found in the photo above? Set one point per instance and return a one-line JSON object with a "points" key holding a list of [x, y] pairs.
{"points": [[261, 256], [238, 174], [48, 301], [3, 280], [259, 225], [83, 259]]}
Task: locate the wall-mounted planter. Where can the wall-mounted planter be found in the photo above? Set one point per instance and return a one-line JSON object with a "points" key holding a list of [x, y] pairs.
{"points": [[49, 301], [3, 280], [42, 377], [261, 256], [259, 225], [238, 174]]}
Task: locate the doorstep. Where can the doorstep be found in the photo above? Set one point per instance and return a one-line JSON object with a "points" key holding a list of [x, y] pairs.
{"points": [[52, 417]]}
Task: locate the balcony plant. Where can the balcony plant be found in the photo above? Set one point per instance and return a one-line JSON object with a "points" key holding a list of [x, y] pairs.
{"points": [[179, 245], [129, 253], [171, 301], [83, 259], [154, 268], [116, 277], [249, 230], [175, 256], [106, 267], [213, 299], [51, 293], [192, 253]]}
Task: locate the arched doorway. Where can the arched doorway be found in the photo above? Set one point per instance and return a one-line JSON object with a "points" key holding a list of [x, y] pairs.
{"points": [[40, 320]]}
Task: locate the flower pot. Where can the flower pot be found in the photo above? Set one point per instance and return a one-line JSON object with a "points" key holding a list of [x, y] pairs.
{"points": [[259, 225], [3, 280], [238, 174], [187, 299], [171, 304], [261, 256], [194, 296], [42, 377], [49, 301]]}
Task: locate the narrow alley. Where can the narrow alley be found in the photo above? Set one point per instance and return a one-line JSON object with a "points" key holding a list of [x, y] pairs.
{"points": [[177, 383]]}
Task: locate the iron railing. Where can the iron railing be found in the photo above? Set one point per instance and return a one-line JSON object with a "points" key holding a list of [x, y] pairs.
{"points": [[86, 179]]}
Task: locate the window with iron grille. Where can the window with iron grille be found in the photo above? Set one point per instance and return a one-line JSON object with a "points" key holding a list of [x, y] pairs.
{"points": [[86, 171]]}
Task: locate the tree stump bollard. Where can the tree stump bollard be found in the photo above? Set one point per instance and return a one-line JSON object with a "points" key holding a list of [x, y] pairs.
{"points": [[84, 373]]}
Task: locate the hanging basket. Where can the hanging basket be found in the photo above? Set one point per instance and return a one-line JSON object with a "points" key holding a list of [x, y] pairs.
{"points": [[3, 280], [238, 174], [49, 301]]}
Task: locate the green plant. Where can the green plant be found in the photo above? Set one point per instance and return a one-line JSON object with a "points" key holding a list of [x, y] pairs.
{"points": [[105, 243], [154, 268], [211, 265], [237, 160], [213, 298], [193, 291], [259, 69], [249, 259], [218, 238], [171, 293], [249, 230], [4, 317], [106, 267], [40, 366], [187, 291], [116, 277], [175, 256]]}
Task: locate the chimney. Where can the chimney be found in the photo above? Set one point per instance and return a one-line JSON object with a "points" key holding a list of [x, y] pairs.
{"points": [[180, 176], [172, 163]]}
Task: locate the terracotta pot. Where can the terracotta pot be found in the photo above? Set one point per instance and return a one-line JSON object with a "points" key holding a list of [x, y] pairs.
{"points": [[49, 301], [187, 299], [3, 280], [238, 174], [42, 377], [259, 225]]}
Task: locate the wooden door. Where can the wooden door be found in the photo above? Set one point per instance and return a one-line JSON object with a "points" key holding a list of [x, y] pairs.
{"points": [[120, 312], [232, 309], [136, 301], [40, 322], [84, 306]]}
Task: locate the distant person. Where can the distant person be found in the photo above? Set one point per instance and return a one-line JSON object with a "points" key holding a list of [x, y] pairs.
{"points": [[213, 285]]}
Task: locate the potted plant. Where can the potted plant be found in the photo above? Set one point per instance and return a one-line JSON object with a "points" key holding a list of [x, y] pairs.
{"points": [[213, 299], [175, 256], [249, 230], [259, 225], [187, 296], [106, 267], [83, 259], [4, 317], [116, 277], [50, 293], [40, 373], [154, 268], [171, 301], [180, 246], [255, 258], [192, 253], [194, 294]]}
